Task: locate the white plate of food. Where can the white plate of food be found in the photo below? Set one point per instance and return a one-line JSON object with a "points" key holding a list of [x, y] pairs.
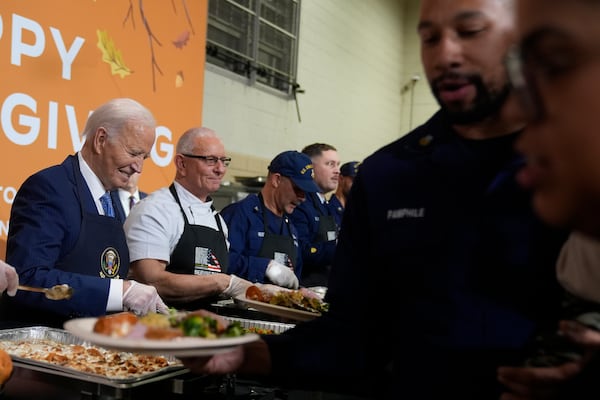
{"points": [[278, 311], [184, 346]]}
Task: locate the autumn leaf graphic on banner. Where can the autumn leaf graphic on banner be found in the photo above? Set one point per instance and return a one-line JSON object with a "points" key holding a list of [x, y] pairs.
{"points": [[179, 79], [182, 40], [111, 55]]}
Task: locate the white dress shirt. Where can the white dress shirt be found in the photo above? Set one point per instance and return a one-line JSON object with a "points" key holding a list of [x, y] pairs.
{"points": [[124, 197], [156, 224], [115, 293]]}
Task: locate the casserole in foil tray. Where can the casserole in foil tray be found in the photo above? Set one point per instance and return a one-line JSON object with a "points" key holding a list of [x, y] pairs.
{"points": [[58, 352]]}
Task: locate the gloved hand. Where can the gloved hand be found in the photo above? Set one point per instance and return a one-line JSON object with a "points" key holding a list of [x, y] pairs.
{"points": [[281, 275], [9, 279], [142, 299], [237, 287]]}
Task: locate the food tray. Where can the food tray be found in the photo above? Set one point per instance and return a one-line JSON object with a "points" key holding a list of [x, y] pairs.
{"points": [[40, 333], [276, 327]]}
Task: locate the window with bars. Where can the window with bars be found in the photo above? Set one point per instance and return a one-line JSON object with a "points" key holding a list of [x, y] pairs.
{"points": [[257, 39]]}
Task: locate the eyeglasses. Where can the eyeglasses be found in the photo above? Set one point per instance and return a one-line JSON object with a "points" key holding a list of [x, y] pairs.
{"points": [[523, 83], [210, 160], [544, 61]]}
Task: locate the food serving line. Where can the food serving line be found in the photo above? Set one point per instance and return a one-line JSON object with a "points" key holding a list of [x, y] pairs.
{"points": [[38, 379]]}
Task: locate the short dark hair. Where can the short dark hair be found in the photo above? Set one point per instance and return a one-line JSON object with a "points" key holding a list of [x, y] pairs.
{"points": [[316, 149]]}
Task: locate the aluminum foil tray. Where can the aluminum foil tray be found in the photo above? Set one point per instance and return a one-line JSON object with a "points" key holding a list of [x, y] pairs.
{"points": [[60, 336], [276, 327]]}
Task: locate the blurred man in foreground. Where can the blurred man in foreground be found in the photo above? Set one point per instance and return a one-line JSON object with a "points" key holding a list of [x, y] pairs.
{"points": [[557, 72], [437, 236]]}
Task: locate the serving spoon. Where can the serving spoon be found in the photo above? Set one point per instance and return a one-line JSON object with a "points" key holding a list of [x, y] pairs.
{"points": [[56, 292]]}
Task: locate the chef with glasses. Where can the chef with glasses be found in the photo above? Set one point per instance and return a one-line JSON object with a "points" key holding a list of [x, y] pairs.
{"points": [[177, 240]]}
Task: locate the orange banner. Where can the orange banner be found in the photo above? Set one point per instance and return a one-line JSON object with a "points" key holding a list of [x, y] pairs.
{"points": [[60, 59]]}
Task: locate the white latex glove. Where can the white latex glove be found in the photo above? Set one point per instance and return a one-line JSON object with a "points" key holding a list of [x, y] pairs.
{"points": [[9, 280], [237, 287], [142, 299], [281, 275]]}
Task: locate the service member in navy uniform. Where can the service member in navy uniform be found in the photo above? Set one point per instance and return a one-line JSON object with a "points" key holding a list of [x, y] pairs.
{"points": [[337, 201], [63, 228], [177, 240], [263, 241], [314, 219]]}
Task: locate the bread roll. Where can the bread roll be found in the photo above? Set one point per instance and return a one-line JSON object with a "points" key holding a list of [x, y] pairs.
{"points": [[116, 325], [6, 366]]}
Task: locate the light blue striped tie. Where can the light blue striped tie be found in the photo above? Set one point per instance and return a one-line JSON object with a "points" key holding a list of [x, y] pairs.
{"points": [[109, 211]]}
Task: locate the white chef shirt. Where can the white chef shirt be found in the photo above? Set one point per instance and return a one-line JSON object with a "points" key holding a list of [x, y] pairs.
{"points": [[155, 225]]}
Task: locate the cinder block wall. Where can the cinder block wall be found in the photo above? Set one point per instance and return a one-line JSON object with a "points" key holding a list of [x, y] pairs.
{"points": [[354, 58], [245, 165]]}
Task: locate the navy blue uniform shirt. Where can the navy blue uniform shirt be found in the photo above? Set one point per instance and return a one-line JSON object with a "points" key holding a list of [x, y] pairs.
{"points": [[440, 240], [246, 233]]}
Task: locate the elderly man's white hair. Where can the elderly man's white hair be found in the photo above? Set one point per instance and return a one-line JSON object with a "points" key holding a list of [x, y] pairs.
{"points": [[115, 114]]}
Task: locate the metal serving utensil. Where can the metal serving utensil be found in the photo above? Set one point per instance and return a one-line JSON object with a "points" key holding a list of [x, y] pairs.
{"points": [[56, 292]]}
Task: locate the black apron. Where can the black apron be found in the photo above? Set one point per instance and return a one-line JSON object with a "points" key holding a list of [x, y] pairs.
{"points": [[278, 247], [328, 230], [101, 251], [200, 251]]}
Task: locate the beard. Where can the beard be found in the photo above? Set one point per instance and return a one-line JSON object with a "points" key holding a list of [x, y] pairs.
{"points": [[487, 102]]}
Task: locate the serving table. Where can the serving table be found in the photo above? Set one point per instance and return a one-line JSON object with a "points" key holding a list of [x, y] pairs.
{"points": [[34, 380]]}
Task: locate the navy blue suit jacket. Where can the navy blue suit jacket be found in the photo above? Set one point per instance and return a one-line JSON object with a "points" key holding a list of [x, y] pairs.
{"points": [[45, 225]]}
